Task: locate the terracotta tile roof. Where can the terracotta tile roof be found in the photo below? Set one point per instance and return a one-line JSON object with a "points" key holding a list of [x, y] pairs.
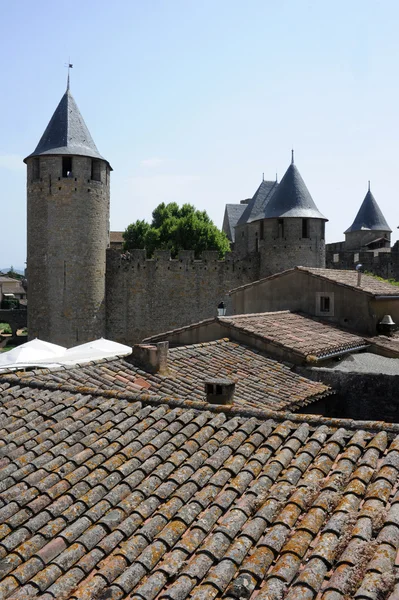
{"points": [[299, 334], [260, 381], [384, 342], [368, 285], [116, 237], [113, 498]]}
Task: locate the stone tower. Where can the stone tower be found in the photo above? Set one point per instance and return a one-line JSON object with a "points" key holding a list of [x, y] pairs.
{"points": [[369, 230], [282, 226], [68, 196]]}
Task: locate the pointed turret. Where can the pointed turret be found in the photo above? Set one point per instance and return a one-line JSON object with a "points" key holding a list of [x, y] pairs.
{"points": [[369, 216], [67, 133], [68, 197], [256, 205], [291, 199]]}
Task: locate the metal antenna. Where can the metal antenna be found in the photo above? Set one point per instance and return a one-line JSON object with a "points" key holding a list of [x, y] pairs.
{"points": [[292, 156], [69, 67], [263, 177], [369, 184]]}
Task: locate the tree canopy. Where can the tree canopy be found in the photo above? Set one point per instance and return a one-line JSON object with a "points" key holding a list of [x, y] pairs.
{"points": [[174, 228]]}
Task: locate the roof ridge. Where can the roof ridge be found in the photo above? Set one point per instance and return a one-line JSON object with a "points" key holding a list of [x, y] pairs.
{"points": [[228, 410]]}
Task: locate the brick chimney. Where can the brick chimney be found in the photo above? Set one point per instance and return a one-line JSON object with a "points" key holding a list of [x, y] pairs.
{"points": [[153, 358], [219, 391]]}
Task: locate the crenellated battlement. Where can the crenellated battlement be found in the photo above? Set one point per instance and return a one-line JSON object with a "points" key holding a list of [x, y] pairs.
{"points": [[209, 260], [150, 295]]}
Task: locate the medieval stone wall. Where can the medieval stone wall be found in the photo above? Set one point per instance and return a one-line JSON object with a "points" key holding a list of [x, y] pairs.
{"points": [[382, 263], [281, 250], [68, 233], [150, 296]]}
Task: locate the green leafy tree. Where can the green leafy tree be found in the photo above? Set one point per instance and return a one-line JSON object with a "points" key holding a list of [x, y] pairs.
{"points": [[135, 235], [11, 273], [173, 228]]}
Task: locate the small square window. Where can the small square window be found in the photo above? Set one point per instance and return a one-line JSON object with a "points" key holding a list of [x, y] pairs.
{"points": [[324, 304], [336, 258], [67, 166]]}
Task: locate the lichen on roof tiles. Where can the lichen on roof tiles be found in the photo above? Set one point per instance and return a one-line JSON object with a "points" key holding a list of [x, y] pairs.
{"points": [[260, 380], [119, 498]]}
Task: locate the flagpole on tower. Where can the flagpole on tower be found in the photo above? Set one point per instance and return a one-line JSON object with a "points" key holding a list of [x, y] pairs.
{"points": [[69, 66]]}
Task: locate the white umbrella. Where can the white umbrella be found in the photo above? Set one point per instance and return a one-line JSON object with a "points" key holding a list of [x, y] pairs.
{"points": [[94, 350], [31, 353]]}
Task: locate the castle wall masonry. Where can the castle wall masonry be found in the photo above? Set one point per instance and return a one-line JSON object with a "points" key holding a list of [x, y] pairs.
{"points": [[148, 296]]}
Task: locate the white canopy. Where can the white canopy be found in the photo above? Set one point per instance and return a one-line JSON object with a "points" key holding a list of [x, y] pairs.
{"points": [[37, 353]]}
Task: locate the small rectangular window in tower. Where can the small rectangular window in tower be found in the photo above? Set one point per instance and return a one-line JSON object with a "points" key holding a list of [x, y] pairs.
{"points": [[262, 230], [96, 170], [67, 166], [323, 230], [324, 304], [281, 228], [305, 228], [36, 169]]}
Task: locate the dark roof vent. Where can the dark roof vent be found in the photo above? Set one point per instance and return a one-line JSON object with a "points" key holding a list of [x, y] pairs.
{"points": [[219, 391], [386, 326]]}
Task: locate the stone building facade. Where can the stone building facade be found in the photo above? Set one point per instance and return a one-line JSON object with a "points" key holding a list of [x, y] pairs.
{"points": [[68, 198], [80, 289], [367, 242], [281, 224]]}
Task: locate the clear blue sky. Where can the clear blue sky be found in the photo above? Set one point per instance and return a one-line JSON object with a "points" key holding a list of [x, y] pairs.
{"points": [[191, 100]]}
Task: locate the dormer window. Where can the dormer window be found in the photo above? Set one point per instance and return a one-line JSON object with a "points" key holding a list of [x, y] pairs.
{"points": [[67, 166], [96, 170]]}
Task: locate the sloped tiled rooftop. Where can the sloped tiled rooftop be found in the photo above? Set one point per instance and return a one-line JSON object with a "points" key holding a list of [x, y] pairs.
{"points": [[260, 381], [302, 335], [117, 498], [368, 284]]}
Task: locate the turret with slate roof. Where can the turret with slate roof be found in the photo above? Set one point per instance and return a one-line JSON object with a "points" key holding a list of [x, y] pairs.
{"points": [[369, 230], [66, 133], [291, 199], [282, 226], [68, 196]]}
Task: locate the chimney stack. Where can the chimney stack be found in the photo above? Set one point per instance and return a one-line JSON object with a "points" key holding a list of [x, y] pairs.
{"points": [[219, 391], [153, 358]]}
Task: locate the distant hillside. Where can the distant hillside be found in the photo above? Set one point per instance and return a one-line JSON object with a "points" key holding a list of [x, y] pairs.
{"points": [[19, 271]]}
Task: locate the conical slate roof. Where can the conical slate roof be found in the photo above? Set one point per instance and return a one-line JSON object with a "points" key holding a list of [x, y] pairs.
{"points": [[257, 203], [291, 199], [67, 132], [369, 216]]}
